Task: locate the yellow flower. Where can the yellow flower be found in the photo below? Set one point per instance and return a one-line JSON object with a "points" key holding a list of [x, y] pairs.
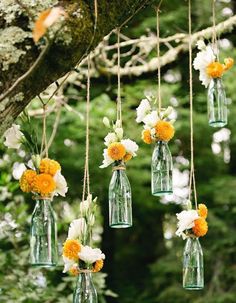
{"points": [[228, 63], [48, 166], [164, 130], [27, 180], [44, 184], [98, 265], [74, 271], [200, 227], [146, 136], [127, 157], [202, 211], [116, 151], [215, 69], [71, 248]]}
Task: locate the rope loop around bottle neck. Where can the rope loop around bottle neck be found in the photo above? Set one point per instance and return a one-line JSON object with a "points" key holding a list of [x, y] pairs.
{"points": [[42, 198], [119, 167]]}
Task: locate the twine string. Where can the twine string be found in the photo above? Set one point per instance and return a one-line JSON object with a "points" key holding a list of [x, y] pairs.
{"points": [[86, 183], [214, 35], [119, 103], [158, 57], [192, 180]]}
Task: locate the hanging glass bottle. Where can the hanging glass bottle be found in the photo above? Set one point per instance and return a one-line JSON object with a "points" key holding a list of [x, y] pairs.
{"points": [[193, 271], [120, 199], [161, 170], [217, 103], [85, 291], [43, 235]]}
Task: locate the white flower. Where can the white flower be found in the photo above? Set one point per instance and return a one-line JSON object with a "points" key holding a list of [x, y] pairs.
{"points": [[119, 132], [110, 138], [77, 228], [106, 122], [186, 221], [61, 184], [107, 160], [168, 112], [13, 137], [90, 255], [130, 146], [202, 60], [18, 169], [201, 44], [143, 109], [68, 264], [151, 119]]}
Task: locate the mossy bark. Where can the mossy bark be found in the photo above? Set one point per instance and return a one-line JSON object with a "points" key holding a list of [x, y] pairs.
{"points": [[61, 57]]}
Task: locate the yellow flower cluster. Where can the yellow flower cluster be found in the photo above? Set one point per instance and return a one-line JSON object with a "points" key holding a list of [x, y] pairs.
{"points": [[200, 225], [164, 131], [71, 249], [43, 182], [116, 151], [216, 69]]}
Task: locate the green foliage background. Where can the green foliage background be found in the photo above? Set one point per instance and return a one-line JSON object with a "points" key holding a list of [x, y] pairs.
{"points": [[143, 263]]}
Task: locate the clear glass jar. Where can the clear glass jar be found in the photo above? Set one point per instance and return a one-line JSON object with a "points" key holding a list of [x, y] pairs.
{"points": [[120, 199], [43, 235], [85, 291], [193, 269], [162, 167], [217, 103]]}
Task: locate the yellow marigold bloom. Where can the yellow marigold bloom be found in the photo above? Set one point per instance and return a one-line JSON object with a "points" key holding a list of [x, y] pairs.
{"points": [[74, 271], [71, 248], [164, 130], [146, 136], [48, 166], [200, 227], [228, 63], [44, 184], [98, 265], [127, 157], [215, 69], [202, 211], [116, 151], [26, 180]]}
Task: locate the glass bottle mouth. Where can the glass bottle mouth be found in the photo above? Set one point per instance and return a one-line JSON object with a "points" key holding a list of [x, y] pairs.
{"points": [[47, 198]]}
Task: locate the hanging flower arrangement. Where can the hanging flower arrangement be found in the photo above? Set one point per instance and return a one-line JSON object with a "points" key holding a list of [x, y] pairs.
{"points": [[192, 225], [40, 176], [211, 71], [117, 153], [158, 129], [77, 254]]}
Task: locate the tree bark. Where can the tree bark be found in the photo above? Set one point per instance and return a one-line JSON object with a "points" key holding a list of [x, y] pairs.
{"points": [[77, 40]]}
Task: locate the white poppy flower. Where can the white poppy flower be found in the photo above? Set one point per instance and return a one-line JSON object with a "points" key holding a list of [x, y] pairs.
{"points": [[201, 44], [130, 146], [68, 264], [202, 60], [107, 160], [186, 221], [151, 119], [61, 184], [77, 228], [18, 170], [143, 110], [90, 255], [110, 138], [13, 137]]}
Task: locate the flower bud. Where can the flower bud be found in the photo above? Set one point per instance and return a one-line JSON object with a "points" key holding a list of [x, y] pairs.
{"points": [[36, 159], [106, 122], [119, 132]]}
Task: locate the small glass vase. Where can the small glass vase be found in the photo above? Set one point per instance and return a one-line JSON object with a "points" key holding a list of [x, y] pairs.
{"points": [[85, 291], [193, 269], [217, 103], [120, 199], [162, 167], [43, 235]]}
